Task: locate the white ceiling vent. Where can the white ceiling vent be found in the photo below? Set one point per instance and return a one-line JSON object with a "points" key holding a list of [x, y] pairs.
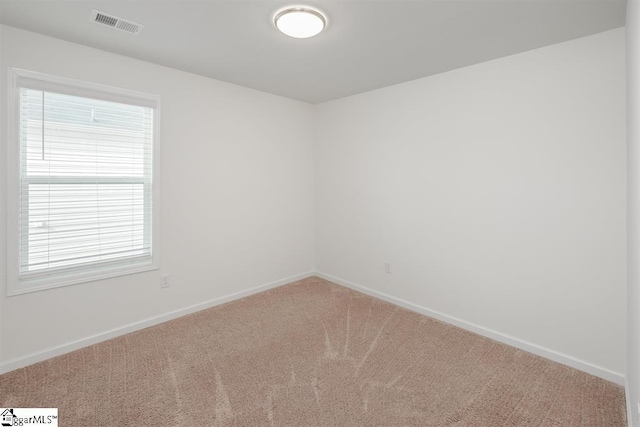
{"points": [[116, 22]]}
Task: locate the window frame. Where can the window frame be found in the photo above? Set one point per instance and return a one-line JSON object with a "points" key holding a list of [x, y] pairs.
{"points": [[57, 278]]}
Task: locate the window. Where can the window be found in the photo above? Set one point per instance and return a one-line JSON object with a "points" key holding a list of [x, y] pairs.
{"points": [[82, 185]]}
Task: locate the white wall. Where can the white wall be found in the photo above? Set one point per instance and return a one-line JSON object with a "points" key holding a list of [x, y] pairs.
{"points": [[236, 196], [633, 212], [496, 192]]}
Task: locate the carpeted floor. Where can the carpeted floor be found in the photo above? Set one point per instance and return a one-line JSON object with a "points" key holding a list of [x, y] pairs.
{"points": [[315, 354]]}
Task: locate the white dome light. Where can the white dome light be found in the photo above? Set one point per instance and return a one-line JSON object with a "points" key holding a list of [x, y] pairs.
{"points": [[300, 22]]}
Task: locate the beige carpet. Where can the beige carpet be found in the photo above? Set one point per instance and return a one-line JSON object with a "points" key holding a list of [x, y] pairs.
{"points": [[315, 354]]}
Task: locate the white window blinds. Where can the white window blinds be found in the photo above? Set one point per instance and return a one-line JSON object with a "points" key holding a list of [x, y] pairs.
{"points": [[85, 185]]}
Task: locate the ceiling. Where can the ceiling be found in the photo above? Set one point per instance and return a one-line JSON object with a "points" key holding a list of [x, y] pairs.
{"points": [[367, 44]]}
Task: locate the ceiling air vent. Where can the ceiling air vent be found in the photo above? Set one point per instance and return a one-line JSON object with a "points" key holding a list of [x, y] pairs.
{"points": [[115, 22]]}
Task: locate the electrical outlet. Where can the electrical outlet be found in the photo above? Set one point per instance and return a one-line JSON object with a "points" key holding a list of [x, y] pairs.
{"points": [[387, 268], [164, 281]]}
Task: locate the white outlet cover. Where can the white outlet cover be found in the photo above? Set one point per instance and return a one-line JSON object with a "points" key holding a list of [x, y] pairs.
{"points": [[164, 281]]}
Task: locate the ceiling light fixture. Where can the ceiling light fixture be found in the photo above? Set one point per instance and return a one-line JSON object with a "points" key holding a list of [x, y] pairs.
{"points": [[300, 22]]}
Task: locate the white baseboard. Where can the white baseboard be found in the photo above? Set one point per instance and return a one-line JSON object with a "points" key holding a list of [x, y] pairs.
{"points": [[614, 377], [136, 326]]}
